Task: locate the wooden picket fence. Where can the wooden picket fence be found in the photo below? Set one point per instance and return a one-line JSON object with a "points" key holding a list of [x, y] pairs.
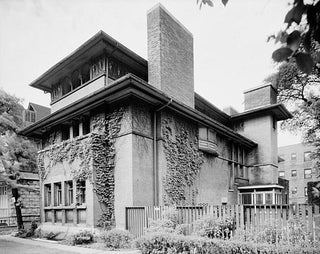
{"points": [[246, 217]]}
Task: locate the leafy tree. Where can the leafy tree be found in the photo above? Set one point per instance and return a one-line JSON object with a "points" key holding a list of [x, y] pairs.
{"points": [[16, 152], [303, 28]]}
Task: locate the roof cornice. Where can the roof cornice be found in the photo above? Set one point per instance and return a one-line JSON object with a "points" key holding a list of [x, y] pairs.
{"points": [[130, 85]]}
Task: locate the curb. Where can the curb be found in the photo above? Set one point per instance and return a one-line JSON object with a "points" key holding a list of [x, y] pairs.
{"points": [[58, 246]]}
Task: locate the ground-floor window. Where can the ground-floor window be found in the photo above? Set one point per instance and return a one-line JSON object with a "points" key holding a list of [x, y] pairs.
{"points": [[272, 197], [65, 202]]}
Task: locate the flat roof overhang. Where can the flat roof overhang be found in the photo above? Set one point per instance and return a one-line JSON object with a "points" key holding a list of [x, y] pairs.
{"points": [[265, 186], [124, 87], [278, 110], [99, 43]]}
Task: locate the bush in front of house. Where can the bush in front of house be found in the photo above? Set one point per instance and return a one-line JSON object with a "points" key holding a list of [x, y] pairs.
{"points": [[83, 237], [174, 244], [169, 223], [116, 239], [212, 227]]}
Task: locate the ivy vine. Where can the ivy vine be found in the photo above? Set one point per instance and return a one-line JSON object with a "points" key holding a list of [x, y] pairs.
{"points": [[103, 147], [184, 162], [96, 152]]}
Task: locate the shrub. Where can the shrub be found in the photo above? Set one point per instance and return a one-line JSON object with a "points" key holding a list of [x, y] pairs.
{"points": [[211, 227], [83, 237], [28, 232], [294, 234], [168, 224], [169, 243], [116, 238], [50, 235]]}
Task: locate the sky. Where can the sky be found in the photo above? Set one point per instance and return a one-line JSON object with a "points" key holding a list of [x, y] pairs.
{"points": [[231, 53]]}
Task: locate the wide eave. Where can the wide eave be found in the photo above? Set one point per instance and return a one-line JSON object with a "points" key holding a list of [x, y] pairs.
{"points": [[278, 110], [129, 85], [95, 46]]}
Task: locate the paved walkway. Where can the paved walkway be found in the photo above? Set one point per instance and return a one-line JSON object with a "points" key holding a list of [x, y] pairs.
{"points": [[15, 245]]}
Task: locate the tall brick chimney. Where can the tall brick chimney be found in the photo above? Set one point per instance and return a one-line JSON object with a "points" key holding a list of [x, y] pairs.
{"points": [[170, 55]]}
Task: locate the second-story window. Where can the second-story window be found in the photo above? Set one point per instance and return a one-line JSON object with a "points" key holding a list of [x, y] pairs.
{"points": [[65, 132], [293, 156], [75, 129], [293, 173], [86, 126]]}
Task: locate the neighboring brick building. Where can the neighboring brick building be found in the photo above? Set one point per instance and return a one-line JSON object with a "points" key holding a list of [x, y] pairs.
{"points": [[30, 200], [296, 166], [31, 204], [127, 132]]}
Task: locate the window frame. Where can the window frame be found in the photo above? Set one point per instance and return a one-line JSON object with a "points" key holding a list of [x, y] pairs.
{"points": [[304, 173]]}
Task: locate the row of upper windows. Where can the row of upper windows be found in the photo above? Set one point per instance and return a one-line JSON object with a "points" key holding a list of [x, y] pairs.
{"points": [[75, 129], [307, 173], [87, 72], [293, 156]]}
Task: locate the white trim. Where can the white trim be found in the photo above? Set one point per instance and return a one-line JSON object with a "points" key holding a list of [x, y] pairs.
{"points": [[260, 187]]}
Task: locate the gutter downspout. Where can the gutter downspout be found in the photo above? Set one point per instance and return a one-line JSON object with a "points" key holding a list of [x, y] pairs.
{"points": [[155, 155]]}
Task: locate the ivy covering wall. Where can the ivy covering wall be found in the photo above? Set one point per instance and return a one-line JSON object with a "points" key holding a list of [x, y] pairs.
{"points": [[96, 155], [184, 162]]}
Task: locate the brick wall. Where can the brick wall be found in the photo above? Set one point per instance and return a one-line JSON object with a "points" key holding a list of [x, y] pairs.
{"points": [[170, 56], [260, 96]]}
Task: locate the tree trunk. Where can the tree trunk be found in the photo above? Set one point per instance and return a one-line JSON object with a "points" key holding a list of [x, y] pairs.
{"points": [[15, 194]]}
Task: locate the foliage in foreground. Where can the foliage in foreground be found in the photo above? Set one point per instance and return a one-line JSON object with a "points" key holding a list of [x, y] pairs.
{"points": [[116, 239], [212, 227], [170, 243], [83, 237]]}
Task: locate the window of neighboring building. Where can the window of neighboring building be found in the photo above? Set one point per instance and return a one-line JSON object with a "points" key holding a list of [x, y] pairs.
{"points": [[30, 116], [81, 192], [65, 132], [293, 173], [294, 190], [307, 173], [293, 156], [47, 194], [57, 194], [307, 156], [69, 192], [281, 174]]}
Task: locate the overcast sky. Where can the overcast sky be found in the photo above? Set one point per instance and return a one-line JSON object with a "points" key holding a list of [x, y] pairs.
{"points": [[231, 53]]}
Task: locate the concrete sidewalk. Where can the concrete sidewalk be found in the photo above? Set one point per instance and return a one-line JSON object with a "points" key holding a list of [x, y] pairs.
{"points": [[57, 246]]}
